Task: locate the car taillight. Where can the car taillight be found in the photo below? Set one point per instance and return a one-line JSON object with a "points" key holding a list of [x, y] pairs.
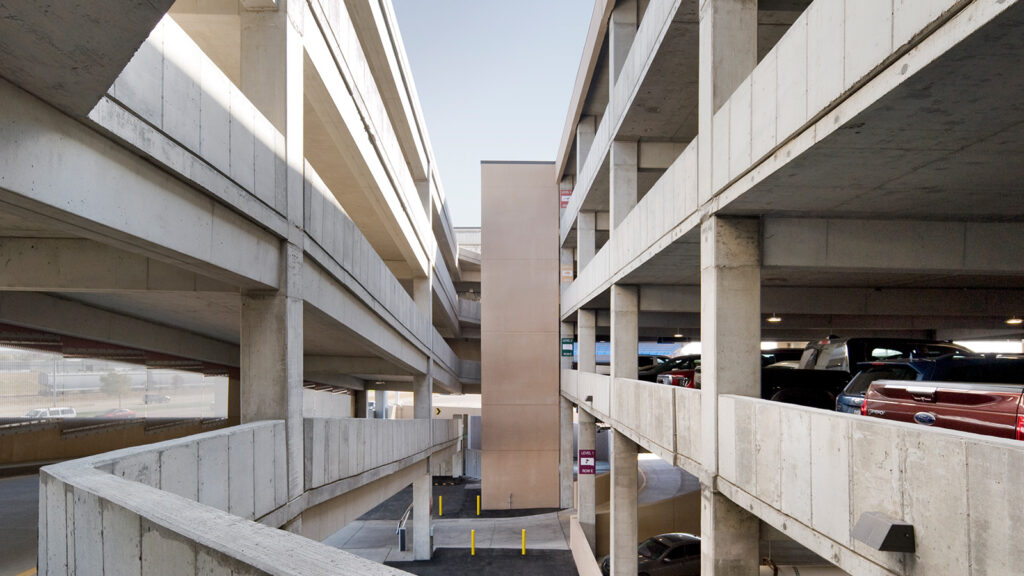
{"points": [[1020, 427], [864, 407]]}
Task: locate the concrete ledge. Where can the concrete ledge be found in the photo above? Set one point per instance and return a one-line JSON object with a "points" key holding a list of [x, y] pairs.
{"points": [[186, 506], [812, 473]]}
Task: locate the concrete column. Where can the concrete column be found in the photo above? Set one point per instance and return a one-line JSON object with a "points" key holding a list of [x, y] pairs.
{"points": [[585, 485], [380, 403], [728, 54], [360, 404], [586, 239], [272, 78], [585, 130], [422, 289], [422, 499], [729, 537], [730, 321], [623, 521], [622, 28], [624, 331], [422, 394], [730, 364], [586, 327], [622, 181], [566, 256], [271, 360], [565, 456]]}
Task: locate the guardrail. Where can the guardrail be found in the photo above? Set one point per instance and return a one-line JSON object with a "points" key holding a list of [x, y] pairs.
{"points": [[190, 506]]}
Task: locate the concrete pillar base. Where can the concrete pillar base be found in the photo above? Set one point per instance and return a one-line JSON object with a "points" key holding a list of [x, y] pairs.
{"points": [[729, 537], [422, 498], [623, 517]]}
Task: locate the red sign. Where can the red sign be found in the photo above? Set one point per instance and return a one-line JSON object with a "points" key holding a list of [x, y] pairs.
{"points": [[563, 198], [588, 461]]}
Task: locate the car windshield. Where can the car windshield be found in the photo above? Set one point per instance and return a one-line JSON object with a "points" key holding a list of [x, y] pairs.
{"points": [[862, 381], [651, 548], [34, 413]]}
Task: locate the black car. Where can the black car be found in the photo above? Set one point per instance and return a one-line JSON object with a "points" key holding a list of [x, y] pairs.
{"points": [[672, 554]]}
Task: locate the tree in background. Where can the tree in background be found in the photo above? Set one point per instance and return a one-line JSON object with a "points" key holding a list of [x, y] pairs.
{"points": [[115, 384]]}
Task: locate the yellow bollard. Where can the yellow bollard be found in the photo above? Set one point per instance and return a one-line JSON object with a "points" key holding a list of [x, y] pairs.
{"points": [[472, 542], [477, 504], [440, 507], [524, 542]]}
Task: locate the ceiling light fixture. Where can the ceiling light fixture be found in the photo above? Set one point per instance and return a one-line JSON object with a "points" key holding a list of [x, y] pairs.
{"points": [[775, 318], [678, 334], [1014, 320]]}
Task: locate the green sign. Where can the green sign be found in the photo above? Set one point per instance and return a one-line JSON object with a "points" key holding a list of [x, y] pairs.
{"points": [[567, 347]]}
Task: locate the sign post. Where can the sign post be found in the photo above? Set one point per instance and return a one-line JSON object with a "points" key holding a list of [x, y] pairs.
{"points": [[588, 462]]}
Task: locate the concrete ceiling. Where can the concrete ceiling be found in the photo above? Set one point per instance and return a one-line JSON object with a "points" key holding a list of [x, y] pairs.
{"points": [[69, 53], [948, 143]]}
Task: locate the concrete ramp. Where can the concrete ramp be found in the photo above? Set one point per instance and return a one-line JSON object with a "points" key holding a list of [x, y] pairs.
{"points": [[69, 53]]}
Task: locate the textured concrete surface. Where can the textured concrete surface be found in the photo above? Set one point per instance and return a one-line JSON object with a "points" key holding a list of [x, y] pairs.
{"points": [[19, 517]]}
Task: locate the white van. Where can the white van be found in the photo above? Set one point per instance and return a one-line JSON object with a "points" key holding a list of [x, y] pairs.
{"points": [[57, 412]]}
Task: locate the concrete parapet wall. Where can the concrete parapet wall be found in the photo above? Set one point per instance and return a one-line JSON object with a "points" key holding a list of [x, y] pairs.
{"points": [[812, 474], [188, 506], [665, 420], [661, 217], [341, 448], [828, 53], [652, 29], [174, 87]]}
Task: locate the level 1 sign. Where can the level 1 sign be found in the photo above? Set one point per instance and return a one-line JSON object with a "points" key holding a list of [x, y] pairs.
{"points": [[567, 347], [588, 461]]}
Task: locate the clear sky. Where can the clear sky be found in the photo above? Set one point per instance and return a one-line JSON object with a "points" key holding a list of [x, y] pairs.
{"points": [[494, 79]]}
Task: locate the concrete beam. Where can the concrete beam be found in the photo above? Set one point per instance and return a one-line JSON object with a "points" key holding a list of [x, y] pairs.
{"points": [[811, 300], [904, 246], [52, 314], [350, 365], [81, 265], [259, 5], [85, 184]]}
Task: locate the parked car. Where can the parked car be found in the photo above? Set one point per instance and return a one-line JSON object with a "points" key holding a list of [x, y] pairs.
{"points": [[835, 353], [825, 367], [55, 412], [643, 361], [984, 395], [687, 362], [117, 413], [684, 374], [672, 554], [156, 399]]}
